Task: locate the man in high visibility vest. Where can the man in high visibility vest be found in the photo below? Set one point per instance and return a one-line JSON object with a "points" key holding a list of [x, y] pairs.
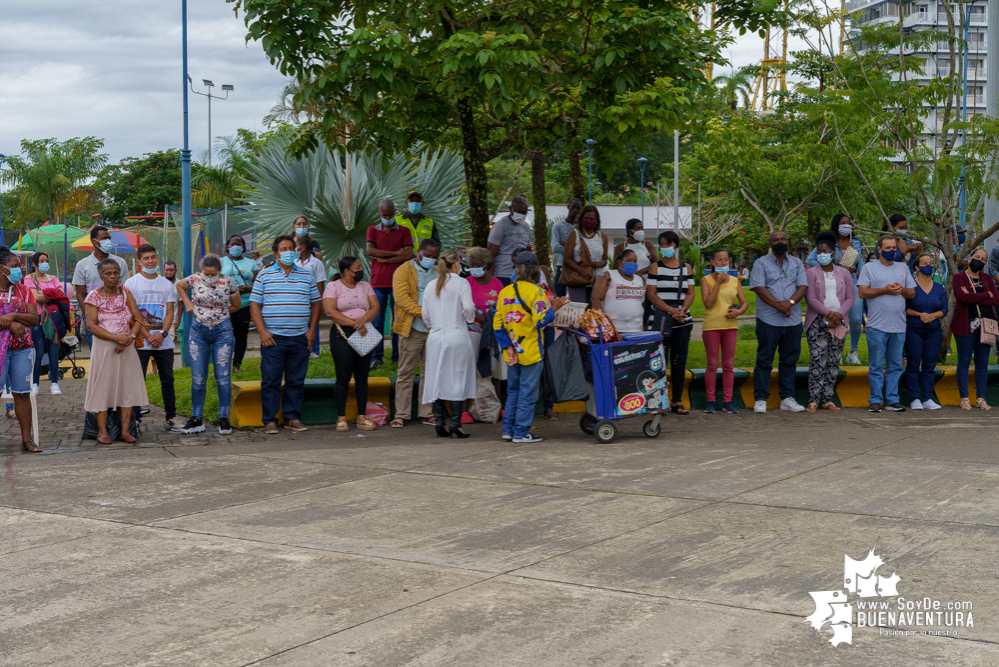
{"points": [[419, 225]]}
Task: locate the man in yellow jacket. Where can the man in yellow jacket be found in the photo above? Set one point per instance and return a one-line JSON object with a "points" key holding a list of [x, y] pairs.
{"points": [[409, 282], [413, 219], [522, 312]]}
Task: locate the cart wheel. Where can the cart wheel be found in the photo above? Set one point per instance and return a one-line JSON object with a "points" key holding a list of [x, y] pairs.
{"points": [[651, 429], [605, 431], [587, 423], [79, 372]]}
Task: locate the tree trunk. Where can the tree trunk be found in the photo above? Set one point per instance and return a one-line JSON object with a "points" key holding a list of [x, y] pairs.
{"points": [[814, 227], [476, 181], [575, 172], [540, 207]]}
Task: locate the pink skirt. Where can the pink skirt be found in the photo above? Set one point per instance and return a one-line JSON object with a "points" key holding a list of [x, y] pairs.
{"points": [[116, 380]]}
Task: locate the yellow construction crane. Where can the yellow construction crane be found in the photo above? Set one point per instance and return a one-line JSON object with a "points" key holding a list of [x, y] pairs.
{"points": [[771, 79]]}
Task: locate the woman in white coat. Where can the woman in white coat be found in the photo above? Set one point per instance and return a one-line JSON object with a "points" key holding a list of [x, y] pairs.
{"points": [[448, 309]]}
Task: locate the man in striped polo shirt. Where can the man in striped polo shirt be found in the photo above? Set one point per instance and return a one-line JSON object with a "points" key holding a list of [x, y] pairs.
{"points": [[284, 306]]}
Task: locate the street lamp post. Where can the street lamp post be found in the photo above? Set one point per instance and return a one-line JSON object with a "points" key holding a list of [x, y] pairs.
{"points": [[589, 165], [185, 180], [641, 167], [2, 158], [208, 84]]}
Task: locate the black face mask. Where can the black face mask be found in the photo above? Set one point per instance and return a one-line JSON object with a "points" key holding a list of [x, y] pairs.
{"points": [[976, 265], [358, 276], [779, 249]]}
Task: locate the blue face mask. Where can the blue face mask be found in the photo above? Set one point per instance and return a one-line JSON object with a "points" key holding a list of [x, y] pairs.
{"points": [[824, 258], [721, 269], [44, 267], [152, 270], [629, 268], [477, 271], [926, 270], [107, 246], [15, 275], [288, 257], [415, 207], [669, 252], [301, 231], [236, 251], [427, 262]]}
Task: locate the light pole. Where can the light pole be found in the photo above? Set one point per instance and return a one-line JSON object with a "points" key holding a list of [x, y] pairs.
{"points": [[992, 97], [641, 167], [589, 165], [208, 84], [676, 182], [185, 185], [2, 158]]}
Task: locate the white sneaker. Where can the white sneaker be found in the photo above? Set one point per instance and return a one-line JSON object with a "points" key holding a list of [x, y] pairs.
{"points": [[929, 405], [313, 355], [760, 406], [530, 437], [853, 358], [916, 405], [55, 390], [34, 389], [791, 404]]}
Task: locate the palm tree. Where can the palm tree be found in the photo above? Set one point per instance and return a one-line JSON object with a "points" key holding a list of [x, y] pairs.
{"points": [[219, 184], [339, 193], [53, 177], [287, 110], [735, 85]]}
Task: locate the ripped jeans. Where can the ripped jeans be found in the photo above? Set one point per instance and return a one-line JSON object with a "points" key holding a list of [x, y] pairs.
{"points": [[216, 343]]}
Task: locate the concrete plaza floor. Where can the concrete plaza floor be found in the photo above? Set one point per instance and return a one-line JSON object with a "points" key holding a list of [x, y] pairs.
{"points": [[696, 548]]}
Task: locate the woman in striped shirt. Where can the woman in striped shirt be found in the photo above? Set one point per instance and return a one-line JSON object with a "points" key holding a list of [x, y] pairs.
{"points": [[670, 289]]}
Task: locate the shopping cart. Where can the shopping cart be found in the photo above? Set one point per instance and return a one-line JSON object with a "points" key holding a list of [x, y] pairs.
{"points": [[626, 379]]}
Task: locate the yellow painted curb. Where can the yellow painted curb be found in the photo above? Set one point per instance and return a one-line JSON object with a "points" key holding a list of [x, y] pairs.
{"points": [[854, 390], [246, 410]]}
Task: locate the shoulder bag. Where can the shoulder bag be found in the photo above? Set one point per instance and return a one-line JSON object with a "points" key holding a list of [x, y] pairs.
{"points": [[362, 344], [570, 276], [989, 328]]}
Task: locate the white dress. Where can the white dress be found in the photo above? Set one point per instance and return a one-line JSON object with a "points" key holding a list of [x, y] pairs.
{"points": [[450, 366]]}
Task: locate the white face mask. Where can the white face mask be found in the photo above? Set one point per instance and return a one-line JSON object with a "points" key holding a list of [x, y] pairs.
{"points": [[639, 235], [518, 217]]}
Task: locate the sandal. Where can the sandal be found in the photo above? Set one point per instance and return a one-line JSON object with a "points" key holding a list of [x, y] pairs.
{"points": [[983, 405], [365, 424], [832, 407], [812, 407], [678, 408], [965, 404], [30, 446], [342, 426], [397, 423], [11, 415], [550, 416]]}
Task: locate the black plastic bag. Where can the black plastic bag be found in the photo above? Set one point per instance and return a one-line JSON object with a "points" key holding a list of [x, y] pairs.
{"points": [[90, 431], [563, 377]]}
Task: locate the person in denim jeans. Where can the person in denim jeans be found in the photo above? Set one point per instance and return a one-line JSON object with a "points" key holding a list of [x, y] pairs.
{"points": [[213, 299], [389, 246]]}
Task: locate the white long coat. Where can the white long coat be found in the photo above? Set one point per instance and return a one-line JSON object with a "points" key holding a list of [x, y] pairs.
{"points": [[450, 369]]}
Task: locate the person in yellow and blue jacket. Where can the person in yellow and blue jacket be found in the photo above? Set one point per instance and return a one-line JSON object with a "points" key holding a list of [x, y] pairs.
{"points": [[522, 312]]}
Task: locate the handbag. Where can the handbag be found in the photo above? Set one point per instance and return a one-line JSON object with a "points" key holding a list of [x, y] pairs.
{"points": [[573, 278], [362, 344], [988, 331]]}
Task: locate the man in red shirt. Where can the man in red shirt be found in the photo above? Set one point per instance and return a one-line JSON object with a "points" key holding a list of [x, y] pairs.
{"points": [[389, 245]]}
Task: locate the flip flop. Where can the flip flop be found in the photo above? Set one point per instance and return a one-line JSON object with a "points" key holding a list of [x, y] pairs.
{"points": [[679, 409]]}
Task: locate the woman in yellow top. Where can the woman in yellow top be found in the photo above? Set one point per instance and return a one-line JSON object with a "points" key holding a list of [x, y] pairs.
{"points": [[724, 301]]}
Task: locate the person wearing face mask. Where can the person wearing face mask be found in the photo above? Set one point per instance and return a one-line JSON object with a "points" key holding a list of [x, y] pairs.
{"points": [[670, 290], [848, 254], [308, 262], [779, 281], [285, 306], [419, 225], [560, 232], [213, 299], [508, 234], [409, 284], [899, 226], [156, 298], [830, 299], [724, 301], [86, 277], [485, 293], [975, 296], [645, 252], [924, 335], [18, 315], [54, 307], [300, 228], [243, 271], [389, 246], [620, 293], [886, 284], [587, 254]]}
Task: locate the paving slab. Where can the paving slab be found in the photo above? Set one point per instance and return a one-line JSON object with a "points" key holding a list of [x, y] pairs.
{"points": [[481, 525], [770, 558], [143, 491], [388, 453], [511, 623], [142, 596], [23, 530]]}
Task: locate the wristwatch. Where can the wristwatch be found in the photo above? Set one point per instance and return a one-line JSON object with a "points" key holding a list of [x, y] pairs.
{"points": [[133, 336], [791, 301]]}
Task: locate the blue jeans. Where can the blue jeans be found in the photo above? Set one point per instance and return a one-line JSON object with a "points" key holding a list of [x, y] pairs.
{"points": [[882, 347], [385, 299], [787, 342], [16, 374], [215, 343], [549, 338], [43, 345], [288, 358], [856, 317], [922, 348], [968, 347], [521, 395], [560, 290]]}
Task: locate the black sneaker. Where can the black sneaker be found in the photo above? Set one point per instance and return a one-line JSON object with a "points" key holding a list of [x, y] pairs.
{"points": [[224, 427], [194, 425], [895, 407], [874, 407]]}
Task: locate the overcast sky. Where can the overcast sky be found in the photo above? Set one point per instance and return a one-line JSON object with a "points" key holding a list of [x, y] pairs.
{"points": [[112, 69]]}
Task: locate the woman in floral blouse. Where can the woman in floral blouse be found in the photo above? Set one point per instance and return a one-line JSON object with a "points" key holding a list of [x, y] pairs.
{"points": [[213, 298]]}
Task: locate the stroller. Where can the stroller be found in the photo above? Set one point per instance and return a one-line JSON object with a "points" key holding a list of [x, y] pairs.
{"points": [[68, 346]]}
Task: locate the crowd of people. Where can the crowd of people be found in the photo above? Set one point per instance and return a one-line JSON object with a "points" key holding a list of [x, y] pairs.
{"points": [[469, 321]]}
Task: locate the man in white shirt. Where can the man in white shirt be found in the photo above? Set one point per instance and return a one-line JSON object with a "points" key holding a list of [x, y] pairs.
{"points": [[156, 298], [308, 261], [86, 278]]}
